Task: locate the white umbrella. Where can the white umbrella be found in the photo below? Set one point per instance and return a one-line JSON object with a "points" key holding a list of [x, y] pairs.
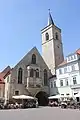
{"points": [[22, 97], [54, 97]]}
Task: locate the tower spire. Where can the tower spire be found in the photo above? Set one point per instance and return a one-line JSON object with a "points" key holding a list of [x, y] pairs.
{"points": [[50, 20]]}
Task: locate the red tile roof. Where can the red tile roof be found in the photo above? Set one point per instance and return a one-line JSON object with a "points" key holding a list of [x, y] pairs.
{"points": [[6, 69], [5, 73], [78, 51]]}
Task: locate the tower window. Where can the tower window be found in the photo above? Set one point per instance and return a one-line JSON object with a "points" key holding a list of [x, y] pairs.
{"points": [[56, 36], [33, 59], [58, 46], [45, 77], [47, 36], [20, 76]]}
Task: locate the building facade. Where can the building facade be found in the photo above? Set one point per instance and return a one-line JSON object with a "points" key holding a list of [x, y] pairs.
{"points": [[49, 74], [29, 77], [67, 80]]}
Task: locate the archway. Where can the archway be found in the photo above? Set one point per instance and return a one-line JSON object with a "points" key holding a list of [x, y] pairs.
{"points": [[42, 98]]}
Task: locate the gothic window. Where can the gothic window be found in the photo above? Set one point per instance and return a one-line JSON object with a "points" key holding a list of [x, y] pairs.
{"points": [[45, 77], [56, 36], [37, 73], [20, 72], [47, 36], [31, 73], [33, 59]]}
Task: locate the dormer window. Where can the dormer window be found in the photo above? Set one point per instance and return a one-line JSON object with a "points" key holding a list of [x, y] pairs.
{"points": [[47, 36], [56, 36]]}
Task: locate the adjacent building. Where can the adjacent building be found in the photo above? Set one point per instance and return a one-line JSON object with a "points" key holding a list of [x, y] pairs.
{"points": [[67, 79]]}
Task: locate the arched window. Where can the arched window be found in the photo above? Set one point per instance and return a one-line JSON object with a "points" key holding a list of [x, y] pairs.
{"points": [[47, 36], [31, 73], [20, 72], [37, 73], [56, 36], [33, 59], [45, 77]]}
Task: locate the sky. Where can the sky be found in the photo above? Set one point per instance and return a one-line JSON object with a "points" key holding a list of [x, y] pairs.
{"points": [[21, 22]]}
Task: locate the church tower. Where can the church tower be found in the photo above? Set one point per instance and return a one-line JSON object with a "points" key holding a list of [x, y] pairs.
{"points": [[52, 48]]}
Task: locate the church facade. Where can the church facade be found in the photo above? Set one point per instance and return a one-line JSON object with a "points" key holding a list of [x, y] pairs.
{"points": [[31, 75]]}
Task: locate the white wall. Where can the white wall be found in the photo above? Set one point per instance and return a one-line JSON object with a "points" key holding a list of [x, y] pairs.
{"points": [[69, 76]]}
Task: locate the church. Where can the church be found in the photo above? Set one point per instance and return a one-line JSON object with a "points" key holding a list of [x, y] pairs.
{"points": [[32, 73]]}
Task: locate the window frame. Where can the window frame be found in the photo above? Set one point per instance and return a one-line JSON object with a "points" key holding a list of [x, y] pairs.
{"points": [[73, 67], [65, 69], [56, 36], [20, 75], [74, 80], [60, 71], [47, 36], [51, 84], [54, 83], [31, 72], [33, 61], [66, 80], [45, 77], [37, 73], [61, 83], [16, 91]]}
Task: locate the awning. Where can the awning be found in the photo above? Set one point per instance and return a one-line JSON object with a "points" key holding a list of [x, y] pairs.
{"points": [[23, 97], [58, 96], [54, 97]]}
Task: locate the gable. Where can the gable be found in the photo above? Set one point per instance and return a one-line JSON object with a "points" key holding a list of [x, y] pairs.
{"points": [[26, 60]]}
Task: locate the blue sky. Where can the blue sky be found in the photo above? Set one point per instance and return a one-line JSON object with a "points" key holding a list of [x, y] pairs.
{"points": [[21, 22]]}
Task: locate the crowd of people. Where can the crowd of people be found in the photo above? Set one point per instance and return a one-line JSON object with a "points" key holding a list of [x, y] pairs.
{"points": [[65, 104], [17, 105]]}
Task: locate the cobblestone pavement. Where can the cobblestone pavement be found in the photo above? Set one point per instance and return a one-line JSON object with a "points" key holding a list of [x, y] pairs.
{"points": [[42, 113]]}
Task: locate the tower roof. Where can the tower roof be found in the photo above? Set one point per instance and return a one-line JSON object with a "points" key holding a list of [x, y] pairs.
{"points": [[50, 20]]}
